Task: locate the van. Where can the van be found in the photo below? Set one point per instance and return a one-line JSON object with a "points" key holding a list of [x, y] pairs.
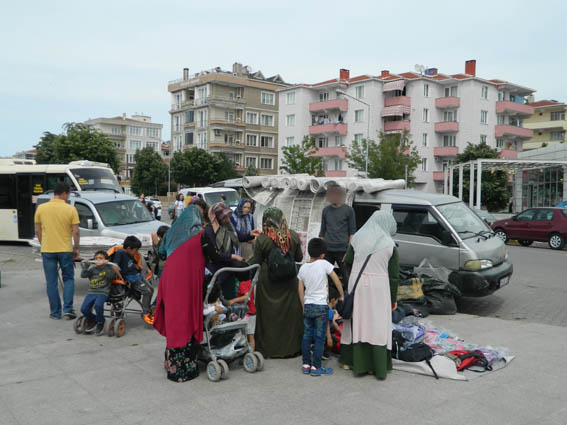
{"points": [[112, 215], [445, 231], [211, 195]]}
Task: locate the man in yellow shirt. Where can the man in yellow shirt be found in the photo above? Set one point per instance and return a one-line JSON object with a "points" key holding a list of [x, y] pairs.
{"points": [[56, 223]]}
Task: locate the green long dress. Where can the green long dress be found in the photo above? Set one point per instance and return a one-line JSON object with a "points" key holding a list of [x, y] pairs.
{"points": [[279, 317], [362, 357]]}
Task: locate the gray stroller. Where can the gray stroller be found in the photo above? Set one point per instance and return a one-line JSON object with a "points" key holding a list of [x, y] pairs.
{"points": [[225, 342]]}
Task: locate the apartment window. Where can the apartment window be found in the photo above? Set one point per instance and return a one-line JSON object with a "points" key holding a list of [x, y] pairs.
{"points": [[359, 115], [483, 117], [290, 98], [339, 141], [484, 92], [130, 158], [267, 120], [202, 140], [338, 164], [322, 142], [425, 115], [189, 116], [449, 140], [450, 116], [228, 139], [231, 95], [423, 164], [323, 96], [153, 145], [267, 141], [135, 144], [424, 139], [152, 132], [451, 91], [116, 130], [426, 90], [188, 139], [359, 92], [499, 142], [558, 116], [229, 116], [557, 135], [266, 163], [500, 120], [178, 99], [290, 141], [202, 92], [358, 138], [290, 120], [268, 98], [483, 138], [250, 161], [203, 118], [137, 131], [252, 118], [501, 96], [251, 140]]}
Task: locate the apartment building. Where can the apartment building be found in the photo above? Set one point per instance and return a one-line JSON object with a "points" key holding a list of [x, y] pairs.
{"points": [[235, 113], [548, 124], [441, 112], [129, 135]]}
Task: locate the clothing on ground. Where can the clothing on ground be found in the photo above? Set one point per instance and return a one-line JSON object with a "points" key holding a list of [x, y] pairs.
{"points": [[315, 280], [57, 219], [337, 225]]}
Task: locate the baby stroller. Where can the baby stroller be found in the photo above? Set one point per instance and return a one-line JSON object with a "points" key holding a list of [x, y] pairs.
{"points": [[225, 342], [118, 302]]}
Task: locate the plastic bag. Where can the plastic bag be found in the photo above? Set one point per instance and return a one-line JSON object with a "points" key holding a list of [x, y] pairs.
{"points": [[426, 269]]}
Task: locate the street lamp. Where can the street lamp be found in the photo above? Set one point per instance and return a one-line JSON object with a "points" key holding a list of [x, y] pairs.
{"points": [[367, 127]]}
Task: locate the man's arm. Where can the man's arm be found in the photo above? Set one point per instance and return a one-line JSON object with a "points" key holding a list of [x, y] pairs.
{"points": [[323, 224], [300, 291], [38, 231], [338, 284], [76, 240], [351, 224]]}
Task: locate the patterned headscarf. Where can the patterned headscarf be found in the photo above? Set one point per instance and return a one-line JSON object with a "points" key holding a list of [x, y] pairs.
{"points": [[217, 213], [275, 227]]}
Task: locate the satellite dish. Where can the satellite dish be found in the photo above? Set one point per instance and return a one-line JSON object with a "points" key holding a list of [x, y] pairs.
{"points": [[420, 68]]}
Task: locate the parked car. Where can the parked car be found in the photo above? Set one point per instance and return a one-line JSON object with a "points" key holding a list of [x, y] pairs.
{"points": [[535, 224], [486, 216], [211, 195], [157, 205]]}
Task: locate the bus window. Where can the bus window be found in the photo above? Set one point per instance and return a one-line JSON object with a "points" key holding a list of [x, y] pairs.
{"points": [[7, 192], [96, 179], [52, 179]]}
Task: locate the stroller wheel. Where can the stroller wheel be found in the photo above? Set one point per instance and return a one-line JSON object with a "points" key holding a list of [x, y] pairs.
{"points": [[214, 371], [250, 363], [260, 359], [78, 325], [119, 328], [110, 331], [224, 368]]}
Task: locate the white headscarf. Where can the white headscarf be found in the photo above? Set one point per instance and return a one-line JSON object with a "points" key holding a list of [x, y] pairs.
{"points": [[375, 235]]}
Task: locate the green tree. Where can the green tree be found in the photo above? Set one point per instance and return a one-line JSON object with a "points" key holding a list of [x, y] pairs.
{"points": [[299, 159], [494, 194], [77, 142], [251, 170], [225, 168], [149, 173], [194, 167], [394, 157]]}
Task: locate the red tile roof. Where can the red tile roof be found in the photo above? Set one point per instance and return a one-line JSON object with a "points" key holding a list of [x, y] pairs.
{"points": [[498, 81], [123, 119], [410, 75], [334, 80], [461, 76], [359, 78], [545, 103]]}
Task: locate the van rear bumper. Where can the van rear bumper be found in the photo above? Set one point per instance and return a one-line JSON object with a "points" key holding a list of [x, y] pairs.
{"points": [[484, 282]]}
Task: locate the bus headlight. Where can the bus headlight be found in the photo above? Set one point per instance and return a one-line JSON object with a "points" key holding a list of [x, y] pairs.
{"points": [[476, 265]]}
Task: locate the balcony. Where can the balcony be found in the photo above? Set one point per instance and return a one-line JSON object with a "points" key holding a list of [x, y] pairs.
{"points": [[395, 126], [544, 125], [513, 131], [446, 127], [329, 105], [439, 176], [335, 173], [328, 128], [332, 151], [449, 102], [446, 151], [397, 101], [508, 154], [507, 107]]}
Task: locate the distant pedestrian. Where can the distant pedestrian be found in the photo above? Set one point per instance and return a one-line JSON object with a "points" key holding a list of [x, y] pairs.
{"points": [[178, 206], [338, 225], [56, 224]]}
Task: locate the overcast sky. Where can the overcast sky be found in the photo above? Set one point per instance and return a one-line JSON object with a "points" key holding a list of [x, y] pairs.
{"points": [[66, 61]]}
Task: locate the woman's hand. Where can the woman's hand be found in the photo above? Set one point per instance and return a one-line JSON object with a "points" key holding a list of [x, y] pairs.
{"points": [[256, 233], [329, 342], [394, 306], [237, 257]]}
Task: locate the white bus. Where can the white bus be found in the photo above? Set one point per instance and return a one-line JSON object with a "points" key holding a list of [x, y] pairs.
{"points": [[22, 181]]}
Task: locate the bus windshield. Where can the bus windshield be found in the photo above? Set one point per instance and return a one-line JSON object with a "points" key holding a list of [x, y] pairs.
{"points": [[120, 213], [232, 198], [96, 179]]}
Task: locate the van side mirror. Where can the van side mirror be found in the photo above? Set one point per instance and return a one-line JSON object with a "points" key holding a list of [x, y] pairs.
{"points": [[91, 224], [447, 239]]}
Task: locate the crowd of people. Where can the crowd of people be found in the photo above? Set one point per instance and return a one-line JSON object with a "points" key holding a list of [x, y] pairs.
{"points": [[292, 312]]}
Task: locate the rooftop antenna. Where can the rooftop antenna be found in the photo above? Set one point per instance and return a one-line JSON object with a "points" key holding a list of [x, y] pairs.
{"points": [[420, 68]]}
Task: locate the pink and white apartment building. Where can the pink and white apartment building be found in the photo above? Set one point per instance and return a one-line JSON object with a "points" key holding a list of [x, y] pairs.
{"points": [[442, 113]]}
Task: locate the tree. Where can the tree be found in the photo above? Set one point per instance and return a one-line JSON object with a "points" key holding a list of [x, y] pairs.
{"points": [[225, 168], [150, 171], [299, 159], [77, 142], [394, 157], [494, 193], [194, 167], [251, 170]]}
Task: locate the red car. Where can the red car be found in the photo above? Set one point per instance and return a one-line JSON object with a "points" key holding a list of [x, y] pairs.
{"points": [[536, 224]]}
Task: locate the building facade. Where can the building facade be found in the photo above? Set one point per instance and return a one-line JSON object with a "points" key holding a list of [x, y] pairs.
{"points": [[442, 113], [235, 113], [548, 124], [30, 154], [130, 135]]}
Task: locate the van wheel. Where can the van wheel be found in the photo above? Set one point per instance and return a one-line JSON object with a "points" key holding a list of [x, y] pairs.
{"points": [[556, 241], [526, 243], [501, 234]]}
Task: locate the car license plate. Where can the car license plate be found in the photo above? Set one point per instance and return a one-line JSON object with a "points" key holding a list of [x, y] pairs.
{"points": [[504, 281]]}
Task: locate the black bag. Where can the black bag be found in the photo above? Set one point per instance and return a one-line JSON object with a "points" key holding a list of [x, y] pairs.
{"points": [[280, 266], [416, 352], [345, 308]]}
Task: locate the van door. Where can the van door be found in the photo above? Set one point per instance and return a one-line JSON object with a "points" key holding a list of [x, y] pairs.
{"points": [[88, 223], [422, 234]]}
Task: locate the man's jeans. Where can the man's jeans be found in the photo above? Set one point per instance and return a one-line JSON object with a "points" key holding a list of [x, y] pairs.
{"points": [[315, 318], [96, 300], [50, 262]]}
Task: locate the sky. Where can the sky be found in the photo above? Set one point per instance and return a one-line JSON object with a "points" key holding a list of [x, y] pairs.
{"points": [[68, 61]]}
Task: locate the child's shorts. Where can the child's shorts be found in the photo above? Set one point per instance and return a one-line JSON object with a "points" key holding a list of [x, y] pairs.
{"points": [[251, 328]]}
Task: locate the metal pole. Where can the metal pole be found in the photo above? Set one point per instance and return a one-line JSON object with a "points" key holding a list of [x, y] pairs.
{"points": [[461, 182], [445, 181], [168, 179], [471, 186], [478, 183], [368, 140], [451, 180]]}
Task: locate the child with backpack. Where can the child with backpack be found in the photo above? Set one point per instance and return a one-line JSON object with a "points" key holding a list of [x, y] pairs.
{"points": [[313, 295]]}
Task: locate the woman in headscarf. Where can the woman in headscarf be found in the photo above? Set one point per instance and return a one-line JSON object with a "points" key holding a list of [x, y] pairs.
{"points": [[279, 316], [243, 222], [179, 306], [366, 340]]}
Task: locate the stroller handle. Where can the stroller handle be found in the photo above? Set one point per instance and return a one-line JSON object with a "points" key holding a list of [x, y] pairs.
{"points": [[233, 269]]}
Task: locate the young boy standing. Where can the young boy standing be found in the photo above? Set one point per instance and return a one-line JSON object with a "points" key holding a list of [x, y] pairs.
{"points": [[100, 278], [313, 294]]}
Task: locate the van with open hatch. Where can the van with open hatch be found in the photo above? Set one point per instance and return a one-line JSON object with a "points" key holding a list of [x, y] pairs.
{"points": [[211, 195]]}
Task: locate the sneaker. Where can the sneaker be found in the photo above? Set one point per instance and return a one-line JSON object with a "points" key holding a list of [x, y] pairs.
{"points": [[325, 355], [51, 316], [322, 371], [89, 327], [70, 316], [99, 329], [148, 318], [306, 369]]}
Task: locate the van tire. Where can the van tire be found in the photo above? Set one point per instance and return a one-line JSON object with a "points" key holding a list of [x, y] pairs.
{"points": [[500, 233], [526, 243], [556, 241]]}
